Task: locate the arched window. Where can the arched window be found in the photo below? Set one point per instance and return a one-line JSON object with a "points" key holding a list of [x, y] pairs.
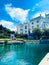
{"points": [[25, 27]]}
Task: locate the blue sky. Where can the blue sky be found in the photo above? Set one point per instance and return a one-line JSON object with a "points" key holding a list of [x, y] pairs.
{"points": [[13, 12]]}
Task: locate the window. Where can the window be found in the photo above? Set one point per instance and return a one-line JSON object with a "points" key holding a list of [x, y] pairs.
{"points": [[37, 25], [21, 29], [25, 31], [25, 27], [32, 22], [37, 21], [32, 27], [44, 25], [48, 17], [21, 32]]}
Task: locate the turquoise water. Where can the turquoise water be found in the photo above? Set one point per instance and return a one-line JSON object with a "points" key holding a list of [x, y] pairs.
{"points": [[28, 54]]}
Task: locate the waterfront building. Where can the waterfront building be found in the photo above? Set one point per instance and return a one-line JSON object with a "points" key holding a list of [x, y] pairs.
{"points": [[38, 22]]}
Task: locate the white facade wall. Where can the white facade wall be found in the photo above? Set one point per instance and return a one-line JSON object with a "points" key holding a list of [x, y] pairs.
{"points": [[47, 21], [18, 29], [30, 27], [25, 28], [39, 22], [22, 30]]}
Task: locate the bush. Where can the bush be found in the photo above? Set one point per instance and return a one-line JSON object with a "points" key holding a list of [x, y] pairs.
{"points": [[45, 37], [37, 33], [45, 32], [21, 36]]}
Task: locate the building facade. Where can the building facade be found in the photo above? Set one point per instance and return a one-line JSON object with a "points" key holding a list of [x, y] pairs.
{"points": [[38, 22]]}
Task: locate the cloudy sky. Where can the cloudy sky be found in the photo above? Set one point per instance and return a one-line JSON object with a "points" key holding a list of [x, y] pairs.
{"points": [[13, 12]]}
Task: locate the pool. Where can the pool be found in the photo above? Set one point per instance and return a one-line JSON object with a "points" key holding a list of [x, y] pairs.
{"points": [[26, 54]]}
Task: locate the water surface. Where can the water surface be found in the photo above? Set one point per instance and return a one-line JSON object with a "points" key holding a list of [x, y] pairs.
{"points": [[28, 54]]}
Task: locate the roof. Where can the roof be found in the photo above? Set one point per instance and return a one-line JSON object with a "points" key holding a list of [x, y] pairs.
{"points": [[39, 17], [47, 14]]}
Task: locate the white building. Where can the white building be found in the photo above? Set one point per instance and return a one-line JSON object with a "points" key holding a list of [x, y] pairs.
{"points": [[38, 22]]}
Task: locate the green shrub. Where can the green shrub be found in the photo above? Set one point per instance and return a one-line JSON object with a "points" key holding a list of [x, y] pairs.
{"points": [[44, 37]]}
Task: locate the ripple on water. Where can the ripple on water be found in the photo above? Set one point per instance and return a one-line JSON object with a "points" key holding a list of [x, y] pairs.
{"points": [[10, 58]]}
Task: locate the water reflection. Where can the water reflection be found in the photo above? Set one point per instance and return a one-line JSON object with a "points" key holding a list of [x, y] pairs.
{"points": [[10, 58], [29, 54]]}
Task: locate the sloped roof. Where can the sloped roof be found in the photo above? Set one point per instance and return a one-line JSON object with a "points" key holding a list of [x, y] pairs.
{"points": [[47, 14], [39, 17]]}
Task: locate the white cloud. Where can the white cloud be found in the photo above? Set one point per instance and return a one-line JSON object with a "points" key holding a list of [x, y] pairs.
{"points": [[35, 6], [40, 13], [8, 24], [17, 13], [41, 8], [36, 15]]}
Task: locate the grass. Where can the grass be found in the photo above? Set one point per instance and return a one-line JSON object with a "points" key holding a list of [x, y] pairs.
{"points": [[4, 38], [10, 39], [19, 39]]}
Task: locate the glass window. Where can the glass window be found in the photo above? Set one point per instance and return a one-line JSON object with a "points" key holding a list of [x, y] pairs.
{"points": [[32, 26], [21, 29], [32, 22], [37, 25], [21, 32], [25, 27], [48, 17], [25, 31], [37, 21]]}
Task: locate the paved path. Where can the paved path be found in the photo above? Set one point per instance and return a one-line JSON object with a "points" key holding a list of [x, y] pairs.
{"points": [[11, 41], [45, 60]]}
